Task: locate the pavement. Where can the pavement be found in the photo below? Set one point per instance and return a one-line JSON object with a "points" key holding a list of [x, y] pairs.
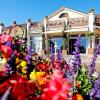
{"points": [[86, 59]]}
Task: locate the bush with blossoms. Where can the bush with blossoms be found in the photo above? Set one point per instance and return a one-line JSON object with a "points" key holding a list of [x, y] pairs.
{"points": [[27, 76]]}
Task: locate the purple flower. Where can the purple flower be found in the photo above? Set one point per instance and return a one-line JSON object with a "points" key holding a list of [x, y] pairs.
{"points": [[93, 62], [9, 43], [98, 94], [59, 56], [95, 91], [76, 60], [52, 57]]}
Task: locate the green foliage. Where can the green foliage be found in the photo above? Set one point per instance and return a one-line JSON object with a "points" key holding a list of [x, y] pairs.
{"points": [[91, 10], [83, 80], [0, 54], [65, 26], [43, 29], [64, 43], [65, 40], [89, 34], [43, 41]]}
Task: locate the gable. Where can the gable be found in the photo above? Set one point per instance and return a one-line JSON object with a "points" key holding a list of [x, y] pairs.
{"points": [[71, 14]]}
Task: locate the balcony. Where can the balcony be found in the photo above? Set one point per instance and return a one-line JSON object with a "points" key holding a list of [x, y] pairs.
{"points": [[59, 24]]}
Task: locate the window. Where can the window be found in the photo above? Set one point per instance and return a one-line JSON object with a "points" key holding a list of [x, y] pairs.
{"points": [[84, 41]]}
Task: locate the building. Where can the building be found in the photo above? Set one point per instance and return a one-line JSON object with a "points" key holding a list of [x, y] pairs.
{"points": [[63, 23]]}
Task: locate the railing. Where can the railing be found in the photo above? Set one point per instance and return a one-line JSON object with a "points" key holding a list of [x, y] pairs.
{"points": [[75, 22], [59, 24], [37, 26]]}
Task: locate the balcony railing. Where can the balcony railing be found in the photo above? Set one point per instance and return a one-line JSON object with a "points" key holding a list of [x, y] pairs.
{"points": [[75, 22], [37, 26], [59, 24]]}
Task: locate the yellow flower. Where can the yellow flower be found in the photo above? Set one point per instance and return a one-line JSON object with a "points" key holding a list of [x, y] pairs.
{"points": [[40, 74], [4, 60], [24, 70], [24, 54], [41, 81], [23, 63], [33, 75], [36, 75], [17, 60], [18, 66]]}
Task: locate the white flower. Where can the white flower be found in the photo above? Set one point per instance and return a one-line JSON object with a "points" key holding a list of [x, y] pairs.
{"points": [[83, 69], [95, 74]]}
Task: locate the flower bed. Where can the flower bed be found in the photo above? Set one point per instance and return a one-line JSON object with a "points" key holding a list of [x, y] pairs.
{"points": [[26, 76]]}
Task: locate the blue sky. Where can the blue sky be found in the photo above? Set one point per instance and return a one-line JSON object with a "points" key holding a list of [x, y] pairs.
{"points": [[21, 10]]}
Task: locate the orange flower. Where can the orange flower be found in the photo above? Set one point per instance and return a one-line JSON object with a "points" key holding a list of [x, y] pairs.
{"points": [[77, 97]]}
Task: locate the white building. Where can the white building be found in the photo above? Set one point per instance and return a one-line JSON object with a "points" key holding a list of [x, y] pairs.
{"points": [[64, 22]]}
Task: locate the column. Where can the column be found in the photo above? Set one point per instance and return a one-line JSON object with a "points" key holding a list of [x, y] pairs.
{"points": [[90, 48], [91, 21], [66, 23], [1, 28], [45, 29], [29, 22], [45, 23]]}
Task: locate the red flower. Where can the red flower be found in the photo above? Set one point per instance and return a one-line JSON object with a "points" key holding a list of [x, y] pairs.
{"points": [[58, 88], [3, 87], [6, 51], [23, 89], [43, 66], [5, 38]]}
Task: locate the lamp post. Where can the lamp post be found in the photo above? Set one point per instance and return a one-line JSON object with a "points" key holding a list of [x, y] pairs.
{"points": [[1, 28]]}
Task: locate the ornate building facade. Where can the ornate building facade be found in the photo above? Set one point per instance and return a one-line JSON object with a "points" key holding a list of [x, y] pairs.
{"points": [[64, 23]]}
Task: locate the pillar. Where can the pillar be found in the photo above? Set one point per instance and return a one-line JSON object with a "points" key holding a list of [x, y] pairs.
{"points": [[45, 23], [1, 28], [29, 22], [45, 29], [90, 49]]}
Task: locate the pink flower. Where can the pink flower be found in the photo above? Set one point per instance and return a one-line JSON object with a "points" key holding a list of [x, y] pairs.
{"points": [[58, 88], [5, 38]]}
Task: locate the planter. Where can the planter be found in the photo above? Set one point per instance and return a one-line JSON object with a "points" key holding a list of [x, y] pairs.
{"points": [[90, 50], [64, 52]]}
